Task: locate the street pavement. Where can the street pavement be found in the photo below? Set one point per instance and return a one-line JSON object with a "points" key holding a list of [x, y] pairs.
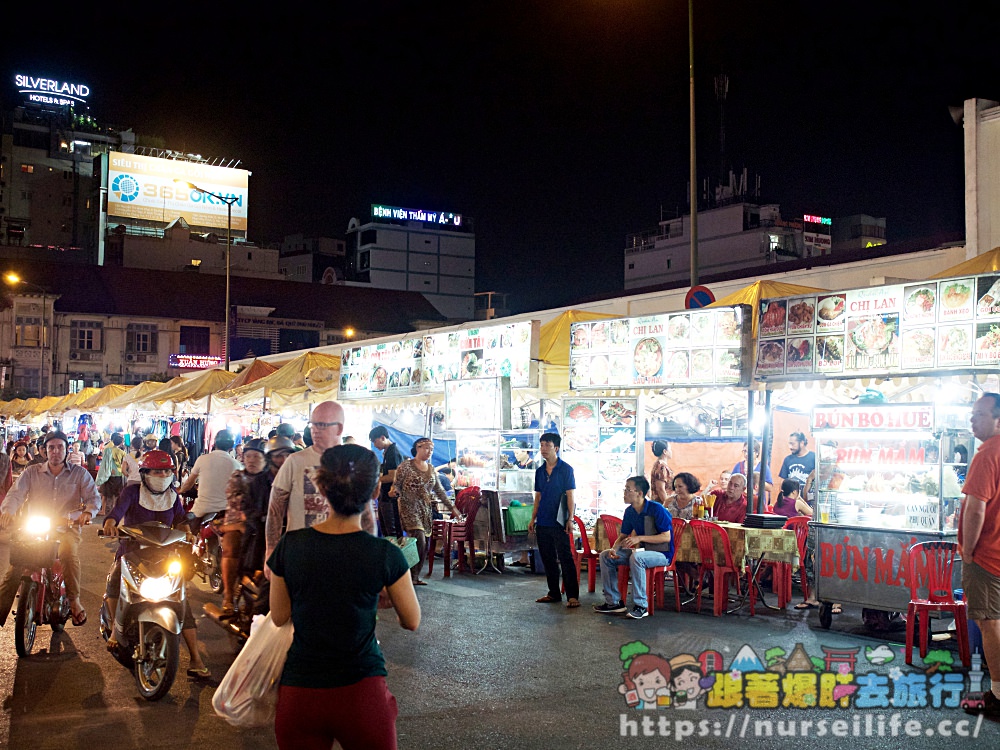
{"points": [[490, 668]]}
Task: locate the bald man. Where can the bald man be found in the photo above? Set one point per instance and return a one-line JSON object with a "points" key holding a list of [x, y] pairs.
{"points": [[295, 502]]}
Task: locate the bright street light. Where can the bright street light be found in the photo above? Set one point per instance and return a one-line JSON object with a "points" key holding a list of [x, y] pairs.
{"points": [[229, 201]]}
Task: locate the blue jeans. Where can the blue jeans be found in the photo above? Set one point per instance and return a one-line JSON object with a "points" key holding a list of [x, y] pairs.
{"points": [[637, 560]]}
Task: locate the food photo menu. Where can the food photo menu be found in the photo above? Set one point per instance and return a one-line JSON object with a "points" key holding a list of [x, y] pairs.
{"points": [[903, 328]]}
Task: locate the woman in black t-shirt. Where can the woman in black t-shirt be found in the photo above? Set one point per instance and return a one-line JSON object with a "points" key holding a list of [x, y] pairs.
{"points": [[333, 683]]}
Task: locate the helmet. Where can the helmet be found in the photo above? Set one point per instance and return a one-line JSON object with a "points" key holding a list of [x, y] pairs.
{"points": [[151, 440], [54, 435], [279, 443], [224, 441], [255, 444], [286, 429], [156, 460]]}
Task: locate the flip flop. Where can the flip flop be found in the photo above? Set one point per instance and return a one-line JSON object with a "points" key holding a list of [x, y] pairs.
{"points": [[199, 674], [79, 618], [836, 610], [572, 603], [547, 600], [418, 582], [806, 605]]}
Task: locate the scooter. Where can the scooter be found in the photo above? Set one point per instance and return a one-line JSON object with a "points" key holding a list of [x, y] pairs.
{"points": [[208, 551], [251, 597], [150, 612], [41, 595]]}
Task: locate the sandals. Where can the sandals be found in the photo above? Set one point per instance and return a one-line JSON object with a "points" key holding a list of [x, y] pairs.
{"points": [[572, 603], [835, 609], [199, 674], [548, 600], [418, 582], [806, 605], [112, 645], [79, 618]]}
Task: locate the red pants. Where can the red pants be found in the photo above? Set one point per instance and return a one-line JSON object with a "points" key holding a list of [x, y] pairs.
{"points": [[362, 716]]}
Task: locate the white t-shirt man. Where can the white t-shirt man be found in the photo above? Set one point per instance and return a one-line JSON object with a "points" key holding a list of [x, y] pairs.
{"points": [[294, 495], [211, 472]]}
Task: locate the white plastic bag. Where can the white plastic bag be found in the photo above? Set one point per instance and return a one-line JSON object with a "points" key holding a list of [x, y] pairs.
{"points": [[248, 694]]}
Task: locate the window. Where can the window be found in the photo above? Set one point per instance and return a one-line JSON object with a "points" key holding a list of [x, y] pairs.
{"points": [[364, 261], [85, 335], [140, 338], [631, 266], [368, 237], [28, 168], [194, 340], [28, 330], [75, 385]]}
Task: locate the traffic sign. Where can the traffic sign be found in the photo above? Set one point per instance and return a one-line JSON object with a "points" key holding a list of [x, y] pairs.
{"points": [[698, 296]]}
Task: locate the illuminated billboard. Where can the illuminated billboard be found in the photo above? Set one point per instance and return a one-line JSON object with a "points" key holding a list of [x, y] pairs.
{"points": [[145, 187]]}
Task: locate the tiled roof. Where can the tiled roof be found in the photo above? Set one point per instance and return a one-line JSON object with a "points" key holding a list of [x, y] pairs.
{"points": [[112, 290]]}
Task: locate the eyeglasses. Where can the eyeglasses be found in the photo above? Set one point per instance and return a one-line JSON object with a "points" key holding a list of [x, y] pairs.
{"points": [[630, 492], [324, 425]]}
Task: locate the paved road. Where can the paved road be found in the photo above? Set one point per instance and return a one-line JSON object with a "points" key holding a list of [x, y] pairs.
{"points": [[489, 668]]}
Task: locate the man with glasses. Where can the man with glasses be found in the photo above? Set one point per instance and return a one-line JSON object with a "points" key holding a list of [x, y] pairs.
{"points": [[295, 501], [645, 541]]}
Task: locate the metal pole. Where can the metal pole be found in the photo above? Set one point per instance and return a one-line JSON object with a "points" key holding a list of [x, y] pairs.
{"points": [[765, 452], [229, 251], [41, 353], [694, 171]]}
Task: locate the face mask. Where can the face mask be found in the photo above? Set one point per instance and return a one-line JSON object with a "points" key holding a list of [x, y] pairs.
{"points": [[158, 484]]}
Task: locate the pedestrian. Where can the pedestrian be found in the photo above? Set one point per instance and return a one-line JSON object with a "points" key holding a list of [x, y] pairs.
{"points": [[388, 503], [660, 474], [552, 521], [109, 476], [333, 684], [645, 541], [979, 541], [211, 473], [799, 464]]}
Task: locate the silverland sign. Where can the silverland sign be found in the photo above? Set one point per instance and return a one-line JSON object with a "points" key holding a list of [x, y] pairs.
{"points": [[49, 91]]}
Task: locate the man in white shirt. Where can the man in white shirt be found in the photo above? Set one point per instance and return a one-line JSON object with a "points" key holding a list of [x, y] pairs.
{"points": [[295, 502], [211, 472]]}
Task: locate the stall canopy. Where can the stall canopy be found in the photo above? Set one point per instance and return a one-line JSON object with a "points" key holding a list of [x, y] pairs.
{"points": [[140, 393], [753, 294], [72, 401], [291, 375], [191, 394], [255, 371], [984, 263], [42, 405], [104, 396], [12, 408]]}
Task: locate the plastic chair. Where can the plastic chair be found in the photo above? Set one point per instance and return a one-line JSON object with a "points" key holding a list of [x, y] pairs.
{"points": [[440, 532], [450, 532], [705, 532], [612, 527], [587, 554], [781, 573], [939, 560]]}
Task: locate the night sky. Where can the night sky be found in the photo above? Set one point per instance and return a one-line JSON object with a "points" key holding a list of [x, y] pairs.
{"points": [[558, 126]]}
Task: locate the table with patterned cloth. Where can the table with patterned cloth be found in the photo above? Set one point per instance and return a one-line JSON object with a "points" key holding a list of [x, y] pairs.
{"points": [[778, 545]]}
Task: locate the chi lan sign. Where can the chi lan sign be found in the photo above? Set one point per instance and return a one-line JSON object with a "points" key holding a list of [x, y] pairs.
{"points": [[49, 91]]}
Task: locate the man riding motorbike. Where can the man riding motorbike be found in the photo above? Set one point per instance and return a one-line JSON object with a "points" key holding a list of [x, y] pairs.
{"points": [[63, 491], [153, 499], [247, 494]]}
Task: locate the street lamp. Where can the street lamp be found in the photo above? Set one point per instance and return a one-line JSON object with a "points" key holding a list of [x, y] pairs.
{"points": [[13, 279], [229, 201]]}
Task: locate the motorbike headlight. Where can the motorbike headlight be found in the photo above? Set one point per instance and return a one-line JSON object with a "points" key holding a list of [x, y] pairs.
{"points": [[174, 569], [156, 589], [38, 525]]}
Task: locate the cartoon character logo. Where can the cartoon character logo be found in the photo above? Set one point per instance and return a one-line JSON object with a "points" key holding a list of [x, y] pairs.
{"points": [[688, 682], [646, 679]]}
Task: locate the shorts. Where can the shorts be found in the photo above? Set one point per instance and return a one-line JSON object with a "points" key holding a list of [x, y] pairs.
{"points": [[982, 592]]}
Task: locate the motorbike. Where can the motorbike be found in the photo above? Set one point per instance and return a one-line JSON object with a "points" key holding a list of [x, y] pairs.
{"points": [[208, 551], [251, 597], [150, 613], [41, 595]]}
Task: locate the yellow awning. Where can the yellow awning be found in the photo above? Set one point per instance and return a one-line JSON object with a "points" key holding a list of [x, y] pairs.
{"points": [[983, 263], [140, 393], [554, 336], [12, 407], [45, 404], [191, 389], [105, 395], [291, 375], [72, 401], [255, 371], [753, 294]]}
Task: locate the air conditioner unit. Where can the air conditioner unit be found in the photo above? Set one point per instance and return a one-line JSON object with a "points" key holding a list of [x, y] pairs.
{"points": [[130, 358], [74, 355]]}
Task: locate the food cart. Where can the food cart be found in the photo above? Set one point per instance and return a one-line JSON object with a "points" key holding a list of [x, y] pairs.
{"points": [[888, 467], [616, 365]]}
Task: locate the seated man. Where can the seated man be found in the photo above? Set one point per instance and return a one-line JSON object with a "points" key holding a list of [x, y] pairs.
{"points": [[652, 547], [731, 503]]}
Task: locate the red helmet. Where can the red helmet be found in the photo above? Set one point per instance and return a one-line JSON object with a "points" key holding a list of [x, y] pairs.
{"points": [[156, 460]]}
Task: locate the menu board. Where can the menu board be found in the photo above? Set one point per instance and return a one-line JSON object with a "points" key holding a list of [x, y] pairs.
{"points": [[903, 328], [599, 440], [473, 404], [703, 347], [476, 459], [423, 365]]}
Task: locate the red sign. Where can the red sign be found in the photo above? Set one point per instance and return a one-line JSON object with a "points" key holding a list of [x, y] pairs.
{"points": [[884, 417], [698, 296], [193, 361]]}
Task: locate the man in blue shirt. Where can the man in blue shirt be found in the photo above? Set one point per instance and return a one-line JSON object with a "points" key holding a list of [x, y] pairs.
{"points": [[800, 463], [645, 541], [552, 521]]}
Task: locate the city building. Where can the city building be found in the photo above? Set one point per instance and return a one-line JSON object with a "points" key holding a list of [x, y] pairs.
{"points": [[312, 259], [430, 252], [64, 327], [980, 119]]}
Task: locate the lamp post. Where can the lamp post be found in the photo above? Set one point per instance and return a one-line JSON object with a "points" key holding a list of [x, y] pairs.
{"points": [[694, 170], [229, 201], [13, 279]]}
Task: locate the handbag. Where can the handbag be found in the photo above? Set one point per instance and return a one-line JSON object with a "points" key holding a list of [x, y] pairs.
{"points": [[248, 694]]}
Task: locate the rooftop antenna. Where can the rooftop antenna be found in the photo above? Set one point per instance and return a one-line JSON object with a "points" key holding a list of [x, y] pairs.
{"points": [[721, 91]]}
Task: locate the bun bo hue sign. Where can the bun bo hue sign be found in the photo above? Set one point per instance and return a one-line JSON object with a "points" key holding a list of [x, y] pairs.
{"points": [[881, 417]]}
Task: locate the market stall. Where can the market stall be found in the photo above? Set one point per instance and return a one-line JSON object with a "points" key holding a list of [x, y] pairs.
{"points": [[889, 467]]}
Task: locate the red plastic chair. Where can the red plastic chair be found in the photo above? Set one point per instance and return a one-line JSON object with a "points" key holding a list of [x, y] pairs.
{"points": [[781, 573], [612, 527], [587, 554], [939, 560], [655, 576], [722, 573], [451, 532]]}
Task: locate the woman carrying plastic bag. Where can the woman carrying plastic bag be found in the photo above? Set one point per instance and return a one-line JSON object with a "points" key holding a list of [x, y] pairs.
{"points": [[326, 579]]}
